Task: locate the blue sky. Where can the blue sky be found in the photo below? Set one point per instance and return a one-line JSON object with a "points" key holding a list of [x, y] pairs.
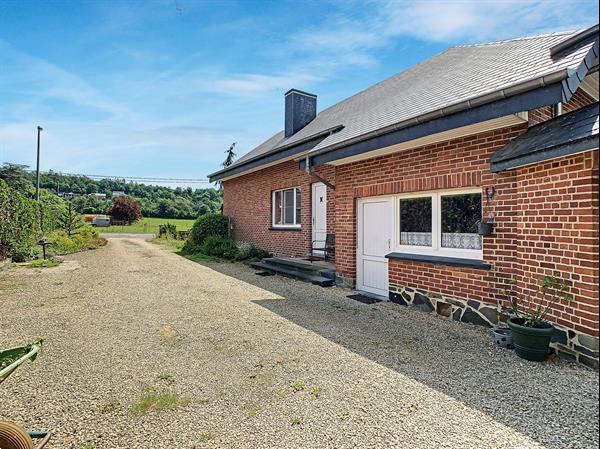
{"points": [[161, 88]]}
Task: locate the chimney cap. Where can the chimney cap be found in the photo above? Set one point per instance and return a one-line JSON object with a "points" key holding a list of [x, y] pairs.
{"points": [[298, 91]]}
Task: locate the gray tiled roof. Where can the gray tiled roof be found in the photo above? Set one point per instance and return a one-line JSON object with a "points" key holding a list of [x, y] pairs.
{"points": [[459, 74], [566, 134]]}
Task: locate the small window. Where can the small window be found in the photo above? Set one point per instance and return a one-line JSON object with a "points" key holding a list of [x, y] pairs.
{"points": [[415, 221], [461, 215], [286, 208]]}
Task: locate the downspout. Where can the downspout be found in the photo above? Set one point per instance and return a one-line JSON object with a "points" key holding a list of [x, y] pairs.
{"points": [[558, 109], [310, 172]]}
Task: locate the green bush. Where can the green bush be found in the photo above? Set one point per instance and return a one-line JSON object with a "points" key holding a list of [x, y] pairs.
{"points": [[19, 223], [167, 230], [50, 211], [82, 239], [248, 251], [206, 225], [216, 246]]}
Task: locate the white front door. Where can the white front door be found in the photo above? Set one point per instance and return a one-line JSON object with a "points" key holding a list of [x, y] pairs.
{"points": [[319, 215], [375, 236]]}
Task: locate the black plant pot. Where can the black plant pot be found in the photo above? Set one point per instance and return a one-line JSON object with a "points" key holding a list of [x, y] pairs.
{"points": [[531, 343], [485, 229]]}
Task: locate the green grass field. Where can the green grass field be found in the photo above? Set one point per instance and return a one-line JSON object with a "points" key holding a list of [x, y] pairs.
{"points": [[148, 226]]}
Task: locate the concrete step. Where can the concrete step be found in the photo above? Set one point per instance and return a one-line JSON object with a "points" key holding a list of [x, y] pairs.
{"points": [[289, 271], [301, 265]]}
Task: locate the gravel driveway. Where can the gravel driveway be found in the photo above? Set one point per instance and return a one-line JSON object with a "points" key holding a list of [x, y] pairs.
{"points": [[253, 362]]}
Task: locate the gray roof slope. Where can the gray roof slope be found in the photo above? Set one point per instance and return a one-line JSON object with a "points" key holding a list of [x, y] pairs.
{"points": [[452, 77], [566, 134]]}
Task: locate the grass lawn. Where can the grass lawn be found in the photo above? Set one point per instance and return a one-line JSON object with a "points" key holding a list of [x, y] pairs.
{"points": [[149, 225]]}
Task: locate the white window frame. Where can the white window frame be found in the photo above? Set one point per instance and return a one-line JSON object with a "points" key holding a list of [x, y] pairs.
{"points": [[285, 226], [436, 248]]}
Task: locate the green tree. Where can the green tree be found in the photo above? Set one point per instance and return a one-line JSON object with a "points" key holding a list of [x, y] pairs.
{"points": [[70, 220], [229, 159], [16, 176]]}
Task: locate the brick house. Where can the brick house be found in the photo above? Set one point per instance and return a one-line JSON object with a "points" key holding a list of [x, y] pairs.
{"points": [[403, 172]]}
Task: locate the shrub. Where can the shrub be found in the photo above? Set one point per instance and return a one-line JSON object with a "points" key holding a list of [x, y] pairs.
{"points": [[19, 223], [249, 251], [125, 209], [206, 225], [216, 246], [551, 290], [167, 230], [85, 238]]}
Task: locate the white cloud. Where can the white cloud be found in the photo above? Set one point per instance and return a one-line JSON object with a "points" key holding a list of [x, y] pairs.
{"points": [[349, 39], [468, 21], [250, 83]]}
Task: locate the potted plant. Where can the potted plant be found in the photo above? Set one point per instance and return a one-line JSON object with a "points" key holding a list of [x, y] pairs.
{"points": [[531, 332], [486, 226]]}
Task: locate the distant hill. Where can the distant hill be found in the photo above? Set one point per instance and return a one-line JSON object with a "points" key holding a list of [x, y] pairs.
{"points": [[156, 201]]}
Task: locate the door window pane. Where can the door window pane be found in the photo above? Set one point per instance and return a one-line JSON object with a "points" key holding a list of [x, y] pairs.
{"points": [[461, 215], [415, 221]]}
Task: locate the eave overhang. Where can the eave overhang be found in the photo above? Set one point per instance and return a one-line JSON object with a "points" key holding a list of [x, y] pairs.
{"points": [[544, 91], [564, 135], [543, 96]]}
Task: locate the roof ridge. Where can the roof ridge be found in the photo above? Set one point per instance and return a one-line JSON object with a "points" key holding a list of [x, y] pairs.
{"points": [[522, 38]]}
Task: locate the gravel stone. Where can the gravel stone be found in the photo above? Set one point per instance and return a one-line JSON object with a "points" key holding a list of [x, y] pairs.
{"points": [[266, 362]]}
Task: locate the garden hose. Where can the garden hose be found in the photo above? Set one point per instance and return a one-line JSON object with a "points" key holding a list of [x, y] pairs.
{"points": [[13, 436]]}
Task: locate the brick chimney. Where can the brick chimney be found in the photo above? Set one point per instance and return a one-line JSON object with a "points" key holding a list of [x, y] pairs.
{"points": [[300, 110]]}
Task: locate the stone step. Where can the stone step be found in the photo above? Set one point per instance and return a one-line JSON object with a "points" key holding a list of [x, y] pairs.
{"points": [[301, 265], [289, 271]]}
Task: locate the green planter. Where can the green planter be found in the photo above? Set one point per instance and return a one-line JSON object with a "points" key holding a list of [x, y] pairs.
{"points": [[531, 343]]}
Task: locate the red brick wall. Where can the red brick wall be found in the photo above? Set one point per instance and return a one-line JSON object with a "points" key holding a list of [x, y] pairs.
{"points": [[557, 227], [546, 219], [247, 200], [577, 101], [457, 163]]}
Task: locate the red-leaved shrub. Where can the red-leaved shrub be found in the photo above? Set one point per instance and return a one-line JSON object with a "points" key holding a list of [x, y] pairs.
{"points": [[125, 209]]}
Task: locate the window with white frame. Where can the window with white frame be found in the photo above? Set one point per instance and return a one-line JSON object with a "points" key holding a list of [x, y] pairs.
{"points": [[440, 223], [286, 208]]}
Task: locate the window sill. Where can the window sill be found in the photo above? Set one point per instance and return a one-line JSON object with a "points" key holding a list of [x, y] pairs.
{"points": [[441, 260], [285, 228]]}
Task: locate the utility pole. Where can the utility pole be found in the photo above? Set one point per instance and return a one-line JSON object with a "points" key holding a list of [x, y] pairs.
{"points": [[37, 170]]}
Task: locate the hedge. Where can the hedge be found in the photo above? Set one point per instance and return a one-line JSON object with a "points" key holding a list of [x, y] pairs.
{"points": [[21, 220]]}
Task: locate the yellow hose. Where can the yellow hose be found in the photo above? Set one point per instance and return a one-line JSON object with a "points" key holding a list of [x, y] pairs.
{"points": [[14, 437]]}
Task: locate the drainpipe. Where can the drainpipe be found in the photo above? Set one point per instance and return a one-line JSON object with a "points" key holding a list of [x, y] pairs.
{"points": [[558, 109], [310, 172]]}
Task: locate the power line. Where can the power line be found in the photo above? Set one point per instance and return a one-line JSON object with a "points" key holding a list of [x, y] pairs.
{"points": [[134, 178]]}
